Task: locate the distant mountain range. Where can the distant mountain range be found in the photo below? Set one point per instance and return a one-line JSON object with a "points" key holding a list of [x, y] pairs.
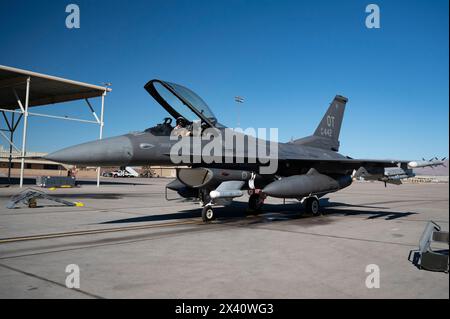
{"points": [[435, 171]]}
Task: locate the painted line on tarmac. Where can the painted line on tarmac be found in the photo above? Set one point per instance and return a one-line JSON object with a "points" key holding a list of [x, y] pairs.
{"points": [[50, 281], [93, 232]]}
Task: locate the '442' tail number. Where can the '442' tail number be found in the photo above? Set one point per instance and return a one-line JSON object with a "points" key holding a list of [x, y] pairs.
{"points": [[328, 131]]}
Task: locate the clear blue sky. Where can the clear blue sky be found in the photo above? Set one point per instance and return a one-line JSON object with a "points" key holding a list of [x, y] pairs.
{"points": [[287, 58]]}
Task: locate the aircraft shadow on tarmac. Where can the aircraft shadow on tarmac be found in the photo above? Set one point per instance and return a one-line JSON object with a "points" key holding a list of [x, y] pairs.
{"points": [[272, 212]]}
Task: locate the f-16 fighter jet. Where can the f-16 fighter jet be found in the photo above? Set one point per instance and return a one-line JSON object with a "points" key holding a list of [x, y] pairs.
{"points": [[217, 164]]}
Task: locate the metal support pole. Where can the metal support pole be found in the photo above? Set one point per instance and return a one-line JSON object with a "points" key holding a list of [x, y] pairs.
{"points": [[61, 117], [92, 110], [101, 133], [18, 99], [24, 136], [8, 139], [238, 99], [11, 138]]}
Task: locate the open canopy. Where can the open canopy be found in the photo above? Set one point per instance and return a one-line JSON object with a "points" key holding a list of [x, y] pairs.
{"points": [[179, 101], [45, 89]]}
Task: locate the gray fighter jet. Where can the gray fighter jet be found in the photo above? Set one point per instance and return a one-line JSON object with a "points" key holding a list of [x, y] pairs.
{"points": [[305, 169]]}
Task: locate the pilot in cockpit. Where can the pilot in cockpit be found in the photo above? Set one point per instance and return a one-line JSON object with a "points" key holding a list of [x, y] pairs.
{"points": [[182, 127]]}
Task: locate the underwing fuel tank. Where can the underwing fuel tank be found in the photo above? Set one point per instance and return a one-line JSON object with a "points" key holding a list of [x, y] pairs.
{"points": [[182, 190], [311, 183]]}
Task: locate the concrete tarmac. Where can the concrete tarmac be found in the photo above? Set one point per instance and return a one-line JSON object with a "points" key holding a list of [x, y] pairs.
{"points": [[129, 242]]}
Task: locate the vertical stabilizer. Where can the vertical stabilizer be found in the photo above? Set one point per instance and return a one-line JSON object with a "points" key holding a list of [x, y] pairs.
{"points": [[326, 135]]}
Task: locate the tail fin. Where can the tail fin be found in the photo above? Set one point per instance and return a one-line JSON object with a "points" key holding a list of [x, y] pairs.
{"points": [[330, 126], [326, 135]]}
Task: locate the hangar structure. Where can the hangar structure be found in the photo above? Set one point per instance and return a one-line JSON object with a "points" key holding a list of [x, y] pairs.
{"points": [[21, 90]]}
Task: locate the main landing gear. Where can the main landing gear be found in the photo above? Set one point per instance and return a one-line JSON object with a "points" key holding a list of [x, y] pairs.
{"points": [[208, 213], [255, 202], [312, 205]]}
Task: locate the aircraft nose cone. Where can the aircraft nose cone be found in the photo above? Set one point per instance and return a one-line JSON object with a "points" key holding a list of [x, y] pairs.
{"points": [[110, 151]]}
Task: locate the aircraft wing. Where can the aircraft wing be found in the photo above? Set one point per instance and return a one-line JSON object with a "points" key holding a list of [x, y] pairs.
{"points": [[345, 163], [354, 162]]}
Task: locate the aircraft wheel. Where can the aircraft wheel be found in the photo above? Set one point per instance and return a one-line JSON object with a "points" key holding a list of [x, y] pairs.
{"points": [[208, 214], [255, 203], [312, 206]]}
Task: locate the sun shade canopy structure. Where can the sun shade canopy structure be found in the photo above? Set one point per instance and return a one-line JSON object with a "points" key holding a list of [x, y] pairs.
{"points": [[46, 89], [21, 90]]}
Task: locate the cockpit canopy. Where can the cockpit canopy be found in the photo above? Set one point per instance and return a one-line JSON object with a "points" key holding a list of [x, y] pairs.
{"points": [[179, 101]]}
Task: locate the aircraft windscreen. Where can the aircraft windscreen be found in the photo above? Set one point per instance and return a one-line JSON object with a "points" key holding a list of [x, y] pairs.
{"points": [[194, 100], [175, 103]]}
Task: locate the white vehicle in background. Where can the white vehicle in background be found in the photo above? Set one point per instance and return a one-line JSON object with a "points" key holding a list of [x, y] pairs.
{"points": [[126, 172]]}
